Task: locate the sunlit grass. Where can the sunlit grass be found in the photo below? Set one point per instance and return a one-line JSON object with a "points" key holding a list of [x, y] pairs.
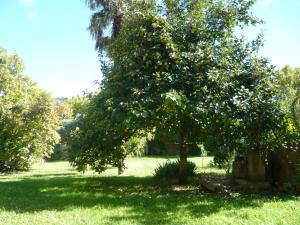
{"points": [[54, 193]]}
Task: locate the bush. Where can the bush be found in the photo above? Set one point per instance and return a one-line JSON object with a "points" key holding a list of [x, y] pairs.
{"points": [[170, 169]]}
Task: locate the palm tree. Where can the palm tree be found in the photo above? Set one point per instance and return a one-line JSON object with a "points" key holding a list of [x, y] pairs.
{"points": [[108, 12]]}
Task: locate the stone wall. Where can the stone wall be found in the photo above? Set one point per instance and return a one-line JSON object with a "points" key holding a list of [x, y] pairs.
{"points": [[278, 167]]}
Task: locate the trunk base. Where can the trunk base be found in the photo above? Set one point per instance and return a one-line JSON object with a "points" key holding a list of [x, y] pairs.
{"points": [[183, 176]]}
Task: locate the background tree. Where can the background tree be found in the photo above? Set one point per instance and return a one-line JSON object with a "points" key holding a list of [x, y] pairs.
{"points": [[28, 120], [63, 110], [68, 111], [289, 86]]}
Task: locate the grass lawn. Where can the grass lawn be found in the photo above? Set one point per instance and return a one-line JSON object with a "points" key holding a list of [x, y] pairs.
{"points": [[54, 193]]}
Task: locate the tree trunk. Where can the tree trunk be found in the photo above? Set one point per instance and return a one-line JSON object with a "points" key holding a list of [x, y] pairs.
{"points": [[121, 167], [117, 20], [183, 159]]}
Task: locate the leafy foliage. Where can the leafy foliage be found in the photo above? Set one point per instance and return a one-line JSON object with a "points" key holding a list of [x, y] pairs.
{"points": [[136, 145], [170, 169], [68, 111], [182, 68], [93, 138], [27, 117], [184, 73], [288, 86], [249, 112]]}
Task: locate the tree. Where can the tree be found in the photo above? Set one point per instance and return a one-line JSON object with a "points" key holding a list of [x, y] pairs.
{"points": [[176, 69], [27, 117], [288, 84], [77, 105], [68, 110], [289, 81], [64, 111], [108, 12]]}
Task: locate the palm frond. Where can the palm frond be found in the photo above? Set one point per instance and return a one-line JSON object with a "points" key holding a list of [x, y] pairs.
{"points": [[98, 23], [98, 4]]}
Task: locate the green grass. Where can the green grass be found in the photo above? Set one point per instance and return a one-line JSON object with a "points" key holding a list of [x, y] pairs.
{"points": [[53, 193]]}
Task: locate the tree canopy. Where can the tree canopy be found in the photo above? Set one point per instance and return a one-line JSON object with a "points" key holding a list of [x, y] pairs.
{"points": [[182, 68]]}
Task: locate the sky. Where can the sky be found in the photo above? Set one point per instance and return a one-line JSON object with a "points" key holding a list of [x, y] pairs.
{"points": [[51, 37]]}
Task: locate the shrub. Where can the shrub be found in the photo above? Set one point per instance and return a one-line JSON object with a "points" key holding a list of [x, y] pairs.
{"points": [[170, 169]]}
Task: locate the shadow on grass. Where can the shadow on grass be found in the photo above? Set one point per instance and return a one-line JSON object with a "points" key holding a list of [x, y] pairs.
{"points": [[147, 201]]}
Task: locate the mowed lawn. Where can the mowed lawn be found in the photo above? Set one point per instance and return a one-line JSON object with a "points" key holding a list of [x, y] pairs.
{"points": [[54, 193]]}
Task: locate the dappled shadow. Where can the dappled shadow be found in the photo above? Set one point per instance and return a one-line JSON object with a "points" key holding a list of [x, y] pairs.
{"points": [[148, 201], [31, 176], [47, 175]]}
